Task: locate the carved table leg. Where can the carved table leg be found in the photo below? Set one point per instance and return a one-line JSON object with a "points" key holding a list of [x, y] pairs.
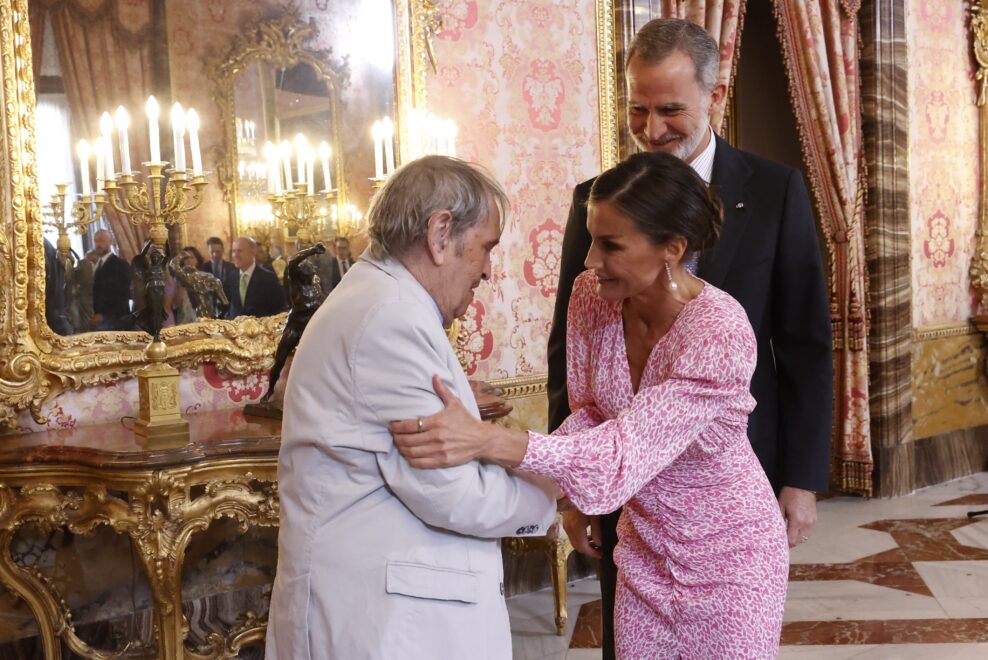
{"points": [[559, 551], [29, 588]]}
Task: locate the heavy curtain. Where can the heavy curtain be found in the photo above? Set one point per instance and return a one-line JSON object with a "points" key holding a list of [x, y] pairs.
{"points": [[820, 45], [103, 51], [723, 19]]}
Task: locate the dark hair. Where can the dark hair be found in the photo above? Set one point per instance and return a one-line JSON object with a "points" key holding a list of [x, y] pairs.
{"points": [[662, 36], [195, 253], [663, 197], [214, 240]]}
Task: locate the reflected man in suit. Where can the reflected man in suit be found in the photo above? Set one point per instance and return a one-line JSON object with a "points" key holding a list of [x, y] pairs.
{"points": [[767, 258], [256, 291], [111, 287], [218, 265], [377, 559]]}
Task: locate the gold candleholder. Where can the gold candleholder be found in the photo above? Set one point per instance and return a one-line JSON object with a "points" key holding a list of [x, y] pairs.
{"points": [[164, 200], [85, 211], [298, 210], [158, 203]]}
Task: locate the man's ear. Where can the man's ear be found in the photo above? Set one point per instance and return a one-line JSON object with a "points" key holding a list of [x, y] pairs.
{"points": [[717, 94], [439, 237]]}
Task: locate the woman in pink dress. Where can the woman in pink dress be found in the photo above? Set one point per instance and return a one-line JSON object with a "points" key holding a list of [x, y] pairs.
{"points": [[659, 365]]}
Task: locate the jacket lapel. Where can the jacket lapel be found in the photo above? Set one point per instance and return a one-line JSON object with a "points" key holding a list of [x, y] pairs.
{"points": [[730, 174]]}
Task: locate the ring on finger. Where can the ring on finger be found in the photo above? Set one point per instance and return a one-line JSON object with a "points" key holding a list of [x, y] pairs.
{"points": [[420, 425]]}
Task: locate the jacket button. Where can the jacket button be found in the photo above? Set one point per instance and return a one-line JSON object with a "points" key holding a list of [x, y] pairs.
{"points": [[502, 588]]}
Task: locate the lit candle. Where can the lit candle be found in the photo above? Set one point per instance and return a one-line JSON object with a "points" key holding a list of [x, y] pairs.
{"points": [[388, 131], [300, 156], [82, 150], [152, 112], [99, 147], [324, 157], [123, 122], [378, 163], [308, 171], [178, 137], [106, 135], [192, 121], [286, 160]]}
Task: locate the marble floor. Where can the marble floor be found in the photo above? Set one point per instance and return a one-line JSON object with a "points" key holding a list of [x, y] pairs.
{"points": [[897, 578]]}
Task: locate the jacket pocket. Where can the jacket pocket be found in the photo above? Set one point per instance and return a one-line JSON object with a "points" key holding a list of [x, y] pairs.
{"points": [[433, 582]]}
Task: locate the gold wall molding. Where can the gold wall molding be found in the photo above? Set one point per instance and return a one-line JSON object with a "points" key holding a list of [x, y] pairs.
{"points": [[941, 331], [517, 387], [607, 84], [35, 363], [979, 41]]}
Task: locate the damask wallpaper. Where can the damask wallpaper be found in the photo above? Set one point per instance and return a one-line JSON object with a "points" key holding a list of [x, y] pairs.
{"points": [[943, 160], [520, 80]]}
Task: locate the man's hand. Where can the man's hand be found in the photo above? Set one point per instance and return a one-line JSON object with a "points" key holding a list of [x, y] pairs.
{"points": [[799, 510], [575, 524]]}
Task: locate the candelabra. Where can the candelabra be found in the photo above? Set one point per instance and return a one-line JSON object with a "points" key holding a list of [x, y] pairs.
{"points": [[305, 213], [85, 211], [158, 203]]}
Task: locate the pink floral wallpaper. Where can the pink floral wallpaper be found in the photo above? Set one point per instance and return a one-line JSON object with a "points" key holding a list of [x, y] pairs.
{"points": [[943, 160], [519, 78]]}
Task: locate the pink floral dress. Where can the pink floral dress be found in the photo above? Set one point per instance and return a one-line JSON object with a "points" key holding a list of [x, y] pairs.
{"points": [[702, 552]]}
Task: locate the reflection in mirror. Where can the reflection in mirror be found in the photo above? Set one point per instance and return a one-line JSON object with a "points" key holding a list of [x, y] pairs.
{"points": [[88, 61]]}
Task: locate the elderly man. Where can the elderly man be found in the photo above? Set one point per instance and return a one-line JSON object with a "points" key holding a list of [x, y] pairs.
{"points": [[377, 559], [767, 258], [255, 290]]}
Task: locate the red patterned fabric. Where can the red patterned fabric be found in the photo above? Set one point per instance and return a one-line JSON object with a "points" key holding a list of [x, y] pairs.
{"points": [[702, 549], [820, 45]]}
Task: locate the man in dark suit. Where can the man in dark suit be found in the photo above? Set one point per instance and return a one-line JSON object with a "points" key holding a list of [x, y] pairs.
{"points": [[256, 289], [767, 258], [111, 287], [218, 266]]}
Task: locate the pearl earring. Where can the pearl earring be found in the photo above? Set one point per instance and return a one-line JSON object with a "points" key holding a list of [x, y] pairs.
{"points": [[672, 282]]}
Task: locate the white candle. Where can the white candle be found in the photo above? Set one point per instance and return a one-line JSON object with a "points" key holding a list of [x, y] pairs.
{"points": [[327, 182], [378, 162], [192, 121], [178, 137], [388, 130], [286, 160], [308, 171], [82, 150], [106, 131], [152, 111], [451, 137], [123, 122], [100, 166], [300, 156]]}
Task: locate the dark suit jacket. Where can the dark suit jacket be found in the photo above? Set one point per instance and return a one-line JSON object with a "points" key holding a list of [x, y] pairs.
{"points": [[111, 293], [264, 297], [768, 259]]}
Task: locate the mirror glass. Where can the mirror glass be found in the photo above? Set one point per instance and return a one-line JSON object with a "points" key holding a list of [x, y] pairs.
{"points": [[86, 64]]}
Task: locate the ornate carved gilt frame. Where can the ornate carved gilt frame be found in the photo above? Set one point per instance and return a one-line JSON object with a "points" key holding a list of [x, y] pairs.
{"points": [[282, 42], [979, 263], [35, 363]]}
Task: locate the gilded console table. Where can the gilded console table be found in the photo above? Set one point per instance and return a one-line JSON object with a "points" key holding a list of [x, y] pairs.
{"points": [[98, 476]]}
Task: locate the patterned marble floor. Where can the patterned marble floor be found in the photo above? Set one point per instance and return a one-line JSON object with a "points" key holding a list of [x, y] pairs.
{"points": [[897, 578]]}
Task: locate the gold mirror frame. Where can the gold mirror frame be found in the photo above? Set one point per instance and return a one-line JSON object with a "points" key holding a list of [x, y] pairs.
{"points": [[979, 263], [282, 42], [35, 363]]}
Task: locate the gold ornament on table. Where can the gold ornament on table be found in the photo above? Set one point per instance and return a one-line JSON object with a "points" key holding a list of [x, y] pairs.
{"points": [[164, 200]]}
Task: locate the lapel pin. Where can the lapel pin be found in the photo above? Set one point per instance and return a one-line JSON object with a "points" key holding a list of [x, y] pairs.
{"points": [[739, 205]]}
